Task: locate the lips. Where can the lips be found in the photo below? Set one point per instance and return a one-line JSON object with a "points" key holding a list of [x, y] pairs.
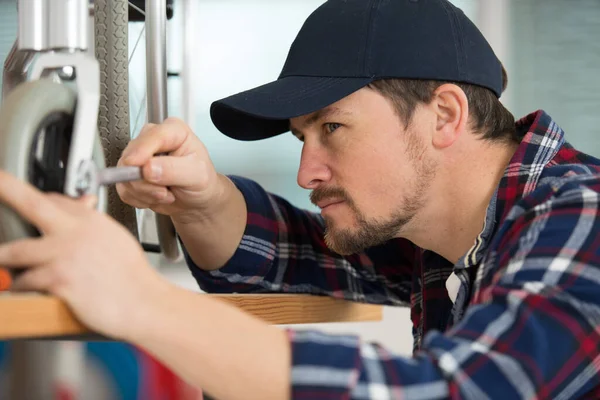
{"points": [[325, 203]]}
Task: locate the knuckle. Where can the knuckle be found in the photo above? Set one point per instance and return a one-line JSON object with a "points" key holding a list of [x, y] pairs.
{"points": [[143, 189], [159, 194], [203, 175], [35, 202], [164, 135], [140, 203], [42, 206], [123, 161], [203, 181], [131, 200], [151, 201], [21, 251], [173, 120], [15, 252], [168, 199], [146, 129], [123, 192], [129, 149]]}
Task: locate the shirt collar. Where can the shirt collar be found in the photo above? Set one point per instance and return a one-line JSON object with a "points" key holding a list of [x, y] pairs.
{"points": [[541, 140]]}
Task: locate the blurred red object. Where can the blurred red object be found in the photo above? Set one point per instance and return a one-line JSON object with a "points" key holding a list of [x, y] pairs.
{"points": [[160, 383], [5, 279]]}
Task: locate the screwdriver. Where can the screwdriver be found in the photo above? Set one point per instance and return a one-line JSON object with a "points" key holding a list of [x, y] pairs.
{"points": [[91, 177]]}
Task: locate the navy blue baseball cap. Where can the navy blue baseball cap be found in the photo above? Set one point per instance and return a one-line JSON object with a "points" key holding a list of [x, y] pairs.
{"points": [[346, 44]]}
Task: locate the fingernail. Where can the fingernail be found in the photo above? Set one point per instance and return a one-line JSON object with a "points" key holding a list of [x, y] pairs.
{"points": [[155, 172], [168, 199], [160, 194]]}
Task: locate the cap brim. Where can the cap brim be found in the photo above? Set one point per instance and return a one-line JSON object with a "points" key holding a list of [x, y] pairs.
{"points": [[265, 111]]}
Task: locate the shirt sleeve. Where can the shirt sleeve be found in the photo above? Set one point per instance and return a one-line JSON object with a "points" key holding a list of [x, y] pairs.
{"points": [[283, 251], [531, 329]]}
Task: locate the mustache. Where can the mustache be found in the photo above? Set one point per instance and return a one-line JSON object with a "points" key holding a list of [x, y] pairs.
{"points": [[328, 193]]}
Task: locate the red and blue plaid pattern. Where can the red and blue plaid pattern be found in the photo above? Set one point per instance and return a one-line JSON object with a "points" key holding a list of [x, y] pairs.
{"points": [[525, 322]]}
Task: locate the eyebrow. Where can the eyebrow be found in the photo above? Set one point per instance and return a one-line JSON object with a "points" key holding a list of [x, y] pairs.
{"points": [[317, 116]]}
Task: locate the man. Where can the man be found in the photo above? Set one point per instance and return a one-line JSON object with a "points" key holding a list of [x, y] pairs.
{"points": [[430, 195]]}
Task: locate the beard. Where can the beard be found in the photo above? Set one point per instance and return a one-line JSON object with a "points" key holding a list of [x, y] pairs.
{"points": [[371, 232]]}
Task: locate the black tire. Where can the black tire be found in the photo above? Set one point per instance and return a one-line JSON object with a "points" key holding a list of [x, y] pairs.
{"points": [[27, 111], [110, 25]]}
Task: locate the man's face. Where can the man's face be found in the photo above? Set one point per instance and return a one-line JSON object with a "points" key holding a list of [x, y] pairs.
{"points": [[368, 173]]}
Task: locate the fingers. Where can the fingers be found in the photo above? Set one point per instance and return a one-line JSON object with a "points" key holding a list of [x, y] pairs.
{"points": [[144, 195], [146, 128], [38, 280], [163, 172], [89, 201], [30, 255], [156, 139], [27, 252], [83, 203], [181, 171], [30, 203], [132, 145]]}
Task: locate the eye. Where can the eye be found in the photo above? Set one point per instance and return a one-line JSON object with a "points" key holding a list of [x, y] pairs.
{"points": [[331, 126]]}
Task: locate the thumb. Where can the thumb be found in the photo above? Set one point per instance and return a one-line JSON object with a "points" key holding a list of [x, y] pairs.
{"points": [[183, 171]]}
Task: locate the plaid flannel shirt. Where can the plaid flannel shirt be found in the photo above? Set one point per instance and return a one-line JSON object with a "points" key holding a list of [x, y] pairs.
{"points": [[525, 322]]}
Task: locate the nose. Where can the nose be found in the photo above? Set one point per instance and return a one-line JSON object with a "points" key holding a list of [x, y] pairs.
{"points": [[313, 169]]}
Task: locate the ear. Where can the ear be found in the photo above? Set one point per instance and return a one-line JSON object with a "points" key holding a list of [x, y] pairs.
{"points": [[451, 108]]}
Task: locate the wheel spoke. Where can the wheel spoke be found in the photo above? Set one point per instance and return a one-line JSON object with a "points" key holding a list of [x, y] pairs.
{"points": [[136, 44], [136, 8], [139, 113]]}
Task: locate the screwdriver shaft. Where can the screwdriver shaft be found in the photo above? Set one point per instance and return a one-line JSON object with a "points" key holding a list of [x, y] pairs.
{"points": [[114, 175]]}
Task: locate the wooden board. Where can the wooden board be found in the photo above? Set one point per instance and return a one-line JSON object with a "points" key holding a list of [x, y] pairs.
{"points": [[37, 316]]}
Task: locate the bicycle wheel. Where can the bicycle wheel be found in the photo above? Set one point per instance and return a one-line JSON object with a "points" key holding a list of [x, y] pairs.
{"points": [[36, 121], [114, 119], [110, 26]]}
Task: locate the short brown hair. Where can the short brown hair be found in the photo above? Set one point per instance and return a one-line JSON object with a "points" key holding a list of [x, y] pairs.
{"points": [[488, 116]]}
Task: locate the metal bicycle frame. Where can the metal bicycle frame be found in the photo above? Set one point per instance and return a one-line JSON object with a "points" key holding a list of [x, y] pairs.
{"points": [[53, 39], [156, 89], [54, 35]]}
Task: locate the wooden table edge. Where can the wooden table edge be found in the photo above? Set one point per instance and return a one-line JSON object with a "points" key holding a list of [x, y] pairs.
{"points": [[29, 316]]}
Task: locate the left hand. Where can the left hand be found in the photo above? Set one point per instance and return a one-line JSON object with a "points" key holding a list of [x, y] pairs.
{"points": [[83, 256]]}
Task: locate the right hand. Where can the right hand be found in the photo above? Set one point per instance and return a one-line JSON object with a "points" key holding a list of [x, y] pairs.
{"points": [[181, 183]]}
